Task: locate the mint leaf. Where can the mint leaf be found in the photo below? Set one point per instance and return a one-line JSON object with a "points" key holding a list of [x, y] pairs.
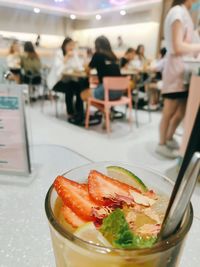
{"points": [[117, 231]]}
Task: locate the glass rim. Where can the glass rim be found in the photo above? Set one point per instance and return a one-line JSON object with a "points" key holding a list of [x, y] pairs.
{"points": [[161, 246]]}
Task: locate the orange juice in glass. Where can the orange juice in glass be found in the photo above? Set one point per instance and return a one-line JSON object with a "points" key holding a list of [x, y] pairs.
{"points": [[124, 222]]}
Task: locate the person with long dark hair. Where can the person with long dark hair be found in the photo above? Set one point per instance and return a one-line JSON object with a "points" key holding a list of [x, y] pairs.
{"points": [[140, 52], [67, 60], [105, 62], [179, 32]]}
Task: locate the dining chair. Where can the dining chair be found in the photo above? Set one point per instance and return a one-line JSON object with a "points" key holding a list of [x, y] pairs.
{"points": [[111, 84], [136, 93]]}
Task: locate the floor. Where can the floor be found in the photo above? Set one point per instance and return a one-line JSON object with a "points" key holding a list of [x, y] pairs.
{"points": [[126, 144], [136, 145]]}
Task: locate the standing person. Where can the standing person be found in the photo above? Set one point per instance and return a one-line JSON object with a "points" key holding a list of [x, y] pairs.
{"points": [[105, 62], [67, 60], [179, 30], [120, 42], [14, 62]]}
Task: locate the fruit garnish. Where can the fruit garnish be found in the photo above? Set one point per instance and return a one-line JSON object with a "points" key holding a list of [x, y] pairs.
{"points": [[141, 199], [149, 229], [89, 233], [117, 231], [71, 217], [75, 196], [102, 188], [99, 213], [126, 176]]}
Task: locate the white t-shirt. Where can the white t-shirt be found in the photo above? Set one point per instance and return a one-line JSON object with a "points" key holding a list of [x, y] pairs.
{"points": [[72, 64], [159, 64], [180, 13], [14, 61]]}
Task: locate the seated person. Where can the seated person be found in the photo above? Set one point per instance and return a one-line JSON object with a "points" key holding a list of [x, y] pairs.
{"points": [[141, 64], [158, 65], [140, 54], [105, 62], [31, 65], [14, 62], [156, 85], [67, 60], [127, 58]]}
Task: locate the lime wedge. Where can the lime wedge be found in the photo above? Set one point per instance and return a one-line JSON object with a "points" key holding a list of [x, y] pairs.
{"points": [[125, 176], [89, 233]]}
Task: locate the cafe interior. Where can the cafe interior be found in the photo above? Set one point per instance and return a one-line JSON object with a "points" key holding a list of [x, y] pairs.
{"points": [[95, 83]]}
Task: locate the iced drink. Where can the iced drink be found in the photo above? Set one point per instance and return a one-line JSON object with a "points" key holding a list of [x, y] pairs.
{"points": [[110, 215]]}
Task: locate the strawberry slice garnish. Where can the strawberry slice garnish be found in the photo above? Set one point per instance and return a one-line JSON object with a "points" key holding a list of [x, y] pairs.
{"points": [[71, 217], [75, 196], [103, 188]]}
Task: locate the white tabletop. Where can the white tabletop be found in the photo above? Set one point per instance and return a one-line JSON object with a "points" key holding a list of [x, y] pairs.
{"points": [[24, 234]]}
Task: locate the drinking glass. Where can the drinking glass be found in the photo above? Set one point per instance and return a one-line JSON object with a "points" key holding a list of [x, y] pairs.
{"points": [[71, 251]]}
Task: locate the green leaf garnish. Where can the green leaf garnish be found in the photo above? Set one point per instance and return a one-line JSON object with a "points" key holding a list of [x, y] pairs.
{"points": [[117, 231]]}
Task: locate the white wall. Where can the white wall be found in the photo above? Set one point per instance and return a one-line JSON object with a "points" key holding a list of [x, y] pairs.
{"points": [[145, 33], [26, 25], [135, 28]]}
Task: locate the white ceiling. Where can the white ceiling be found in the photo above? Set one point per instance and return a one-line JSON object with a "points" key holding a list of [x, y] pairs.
{"points": [[81, 8]]}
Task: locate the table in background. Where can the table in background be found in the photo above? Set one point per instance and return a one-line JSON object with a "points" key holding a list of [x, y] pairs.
{"points": [[24, 233], [75, 74]]}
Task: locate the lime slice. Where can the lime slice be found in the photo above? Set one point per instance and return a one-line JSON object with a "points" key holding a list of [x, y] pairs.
{"points": [[89, 233], [125, 176]]}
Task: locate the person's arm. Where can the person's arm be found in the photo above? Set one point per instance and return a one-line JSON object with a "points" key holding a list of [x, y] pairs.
{"points": [[93, 63], [179, 45]]}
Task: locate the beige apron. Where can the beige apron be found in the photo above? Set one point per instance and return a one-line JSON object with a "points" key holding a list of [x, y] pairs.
{"points": [[175, 70]]}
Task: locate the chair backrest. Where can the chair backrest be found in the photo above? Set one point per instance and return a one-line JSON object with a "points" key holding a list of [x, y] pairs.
{"points": [[116, 84]]}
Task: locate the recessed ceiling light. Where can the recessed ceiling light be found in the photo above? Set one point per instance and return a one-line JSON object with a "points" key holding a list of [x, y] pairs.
{"points": [[123, 12], [36, 10], [98, 17], [72, 16]]}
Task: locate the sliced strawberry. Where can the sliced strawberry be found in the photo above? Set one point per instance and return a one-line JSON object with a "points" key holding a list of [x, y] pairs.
{"points": [[102, 188], [71, 217], [75, 196]]}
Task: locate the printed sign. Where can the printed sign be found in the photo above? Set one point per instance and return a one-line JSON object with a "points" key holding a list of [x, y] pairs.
{"points": [[14, 152]]}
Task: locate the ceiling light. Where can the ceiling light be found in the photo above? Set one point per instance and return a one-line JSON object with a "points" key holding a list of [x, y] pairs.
{"points": [[123, 12], [72, 16], [98, 17], [36, 10]]}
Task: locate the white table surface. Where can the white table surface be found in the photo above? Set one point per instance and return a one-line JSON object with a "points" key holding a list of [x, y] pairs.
{"points": [[24, 234]]}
